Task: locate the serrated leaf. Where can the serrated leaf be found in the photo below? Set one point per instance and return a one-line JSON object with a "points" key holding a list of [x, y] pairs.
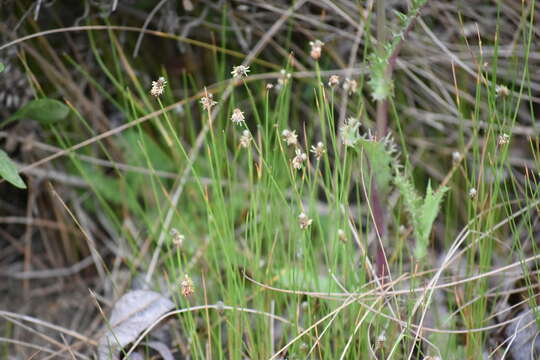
{"points": [[9, 172], [402, 17], [131, 315], [429, 210], [380, 161], [422, 211], [381, 88], [45, 111], [380, 84]]}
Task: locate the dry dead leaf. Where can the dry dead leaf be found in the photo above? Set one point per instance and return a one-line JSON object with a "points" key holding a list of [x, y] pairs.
{"points": [[162, 349], [524, 338], [131, 315]]}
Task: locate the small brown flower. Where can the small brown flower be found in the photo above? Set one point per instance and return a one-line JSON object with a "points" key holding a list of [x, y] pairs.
{"points": [[456, 156], [333, 81], [290, 137], [318, 150], [501, 90], [237, 117], [187, 286], [208, 102], [316, 49], [177, 238], [240, 71], [304, 221], [245, 139], [503, 139], [342, 236], [158, 87], [351, 86], [283, 79], [299, 159]]}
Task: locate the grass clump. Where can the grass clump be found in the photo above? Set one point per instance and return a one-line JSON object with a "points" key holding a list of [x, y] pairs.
{"points": [[255, 180]]}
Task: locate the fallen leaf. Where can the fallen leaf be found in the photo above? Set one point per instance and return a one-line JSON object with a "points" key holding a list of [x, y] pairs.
{"points": [[524, 341], [162, 349], [131, 315]]}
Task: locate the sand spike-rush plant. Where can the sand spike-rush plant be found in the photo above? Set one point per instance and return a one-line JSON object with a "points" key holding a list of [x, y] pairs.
{"points": [[280, 195]]}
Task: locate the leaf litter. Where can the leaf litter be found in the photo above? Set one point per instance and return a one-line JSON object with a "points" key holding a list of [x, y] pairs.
{"points": [[133, 313]]}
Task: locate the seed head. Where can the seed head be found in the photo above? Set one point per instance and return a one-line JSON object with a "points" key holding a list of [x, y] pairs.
{"points": [[351, 86], [503, 139], [240, 71], [283, 79], [502, 90], [245, 139], [456, 156], [299, 159], [158, 87], [318, 150], [237, 117], [316, 49], [290, 137], [333, 81], [304, 221], [208, 102], [187, 286], [177, 238], [472, 193], [342, 236]]}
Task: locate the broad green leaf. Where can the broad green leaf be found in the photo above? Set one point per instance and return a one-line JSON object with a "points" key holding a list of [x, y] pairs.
{"points": [[2, 67], [151, 151], [109, 188], [8, 171], [45, 111]]}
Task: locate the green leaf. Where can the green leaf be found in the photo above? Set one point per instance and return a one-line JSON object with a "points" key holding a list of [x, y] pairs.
{"points": [[8, 171], [381, 161], [401, 16], [381, 84], [2, 67], [111, 188], [45, 111], [422, 211], [430, 209], [150, 151]]}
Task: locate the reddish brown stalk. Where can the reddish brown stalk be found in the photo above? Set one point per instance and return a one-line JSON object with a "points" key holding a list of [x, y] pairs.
{"points": [[382, 129]]}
